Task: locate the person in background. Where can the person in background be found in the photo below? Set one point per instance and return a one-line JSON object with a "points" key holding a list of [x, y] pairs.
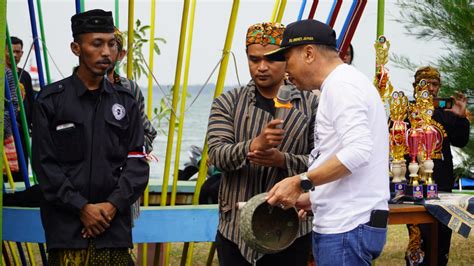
{"points": [[28, 96], [244, 145], [132, 86], [453, 128], [348, 55], [89, 154], [347, 179]]}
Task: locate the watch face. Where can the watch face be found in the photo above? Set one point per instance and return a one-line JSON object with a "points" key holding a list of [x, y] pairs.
{"points": [[306, 184]]}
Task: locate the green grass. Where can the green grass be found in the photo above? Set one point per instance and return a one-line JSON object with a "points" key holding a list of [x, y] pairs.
{"points": [[462, 250]]}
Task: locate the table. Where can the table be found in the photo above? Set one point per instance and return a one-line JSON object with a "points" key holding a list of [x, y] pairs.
{"points": [[416, 214]]}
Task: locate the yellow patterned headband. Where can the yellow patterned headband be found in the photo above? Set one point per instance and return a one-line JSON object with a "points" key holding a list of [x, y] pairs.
{"points": [[265, 33], [427, 72]]}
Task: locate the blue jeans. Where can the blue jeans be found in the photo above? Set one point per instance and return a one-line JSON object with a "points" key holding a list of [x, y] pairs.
{"points": [[357, 247]]}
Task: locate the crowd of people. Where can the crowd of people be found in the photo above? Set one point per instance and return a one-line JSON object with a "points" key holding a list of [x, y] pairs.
{"points": [[329, 155]]}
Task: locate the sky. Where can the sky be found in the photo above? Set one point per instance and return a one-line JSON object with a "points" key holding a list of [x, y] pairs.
{"points": [[210, 27]]}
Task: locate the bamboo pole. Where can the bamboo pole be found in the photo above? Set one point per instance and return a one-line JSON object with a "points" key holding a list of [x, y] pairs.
{"points": [[43, 41], [184, 92], [3, 29], [34, 32], [7, 168], [380, 17], [302, 7], [281, 11], [16, 136], [312, 11], [24, 122], [131, 22], [217, 92], [78, 6], [176, 86], [146, 193], [183, 106], [346, 23], [275, 10], [117, 12], [15, 256], [150, 79], [336, 6]]}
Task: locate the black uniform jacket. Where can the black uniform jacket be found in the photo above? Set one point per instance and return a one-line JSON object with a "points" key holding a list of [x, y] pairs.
{"points": [[452, 130], [87, 148]]}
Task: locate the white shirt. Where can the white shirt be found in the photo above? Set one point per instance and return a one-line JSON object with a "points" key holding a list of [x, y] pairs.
{"points": [[351, 124]]}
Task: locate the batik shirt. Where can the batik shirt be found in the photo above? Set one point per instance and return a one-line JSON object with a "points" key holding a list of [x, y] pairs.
{"points": [[233, 123]]}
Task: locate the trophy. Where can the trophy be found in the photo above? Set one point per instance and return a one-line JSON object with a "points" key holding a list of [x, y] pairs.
{"points": [[398, 111], [429, 139], [414, 190], [430, 188], [381, 80]]}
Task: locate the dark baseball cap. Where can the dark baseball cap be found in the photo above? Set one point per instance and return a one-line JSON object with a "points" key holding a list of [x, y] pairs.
{"points": [[303, 32]]}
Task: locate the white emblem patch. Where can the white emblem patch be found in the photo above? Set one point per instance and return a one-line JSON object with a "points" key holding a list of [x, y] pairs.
{"points": [[119, 111]]}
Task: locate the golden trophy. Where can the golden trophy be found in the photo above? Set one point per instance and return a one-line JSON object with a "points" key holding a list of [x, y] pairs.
{"points": [[420, 112], [381, 80], [398, 132]]}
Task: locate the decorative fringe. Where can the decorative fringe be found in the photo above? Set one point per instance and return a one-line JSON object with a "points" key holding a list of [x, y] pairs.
{"points": [[414, 254], [10, 151]]}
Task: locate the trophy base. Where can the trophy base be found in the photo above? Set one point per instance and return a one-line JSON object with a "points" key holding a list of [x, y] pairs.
{"points": [[430, 191], [413, 193], [398, 188]]}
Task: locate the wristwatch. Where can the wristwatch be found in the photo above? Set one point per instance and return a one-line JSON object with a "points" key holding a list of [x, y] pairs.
{"points": [[305, 182]]}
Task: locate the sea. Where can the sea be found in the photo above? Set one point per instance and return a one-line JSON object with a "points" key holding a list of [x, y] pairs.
{"points": [[198, 106]]}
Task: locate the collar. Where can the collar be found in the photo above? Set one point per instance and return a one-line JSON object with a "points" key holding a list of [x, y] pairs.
{"points": [[295, 93], [81, 88]]}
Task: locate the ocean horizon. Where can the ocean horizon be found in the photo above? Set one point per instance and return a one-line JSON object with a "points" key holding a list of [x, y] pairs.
{"points": [[194, 130]]}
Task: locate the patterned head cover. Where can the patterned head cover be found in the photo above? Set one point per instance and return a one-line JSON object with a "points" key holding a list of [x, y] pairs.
{"points": [[119, 39], [265, 33], [427, 72]]}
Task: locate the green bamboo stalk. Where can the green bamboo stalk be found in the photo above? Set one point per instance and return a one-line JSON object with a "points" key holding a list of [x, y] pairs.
{"points": [[189, 247], [380, 17], [43, 41], [3, 24], [24, 122], [117, 7]]}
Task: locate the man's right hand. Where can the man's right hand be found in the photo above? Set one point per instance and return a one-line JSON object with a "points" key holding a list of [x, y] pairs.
{"points": [[93, 220], [269, 138]]}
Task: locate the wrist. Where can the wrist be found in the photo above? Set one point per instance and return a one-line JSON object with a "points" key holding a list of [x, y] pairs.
{"points": [[306, 184]]}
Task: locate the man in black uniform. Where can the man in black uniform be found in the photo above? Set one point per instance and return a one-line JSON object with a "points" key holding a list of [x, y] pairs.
{"points": [[88, 153], [452, 126]]}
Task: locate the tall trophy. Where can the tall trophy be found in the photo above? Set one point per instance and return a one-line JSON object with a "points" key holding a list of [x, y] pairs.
{"points": [[398, 132], [414, 191], [430, 140]]}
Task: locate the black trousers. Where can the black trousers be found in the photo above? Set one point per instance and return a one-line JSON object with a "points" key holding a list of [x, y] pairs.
{"points": [[295, 255], [444, 242]]}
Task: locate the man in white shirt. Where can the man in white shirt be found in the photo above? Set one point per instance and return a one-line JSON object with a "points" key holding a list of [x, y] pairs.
{"points": [[348, 172]]}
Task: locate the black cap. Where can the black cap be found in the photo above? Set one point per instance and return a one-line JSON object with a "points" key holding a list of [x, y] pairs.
{"points": [[96, 20], [303, 32]]}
